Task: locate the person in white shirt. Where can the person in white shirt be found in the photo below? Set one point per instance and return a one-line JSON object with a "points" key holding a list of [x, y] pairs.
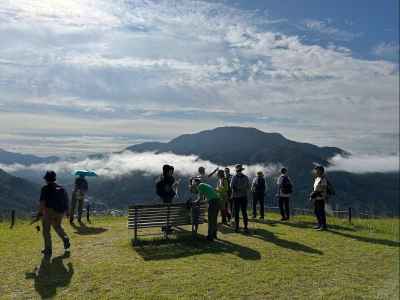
{"points": [[285, 190], [319, 196]]}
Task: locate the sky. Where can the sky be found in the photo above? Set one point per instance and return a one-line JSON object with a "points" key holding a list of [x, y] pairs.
{"points": [[89, 76]]}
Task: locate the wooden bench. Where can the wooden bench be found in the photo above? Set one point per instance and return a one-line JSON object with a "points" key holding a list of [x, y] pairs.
{"points": [[161, 215]]}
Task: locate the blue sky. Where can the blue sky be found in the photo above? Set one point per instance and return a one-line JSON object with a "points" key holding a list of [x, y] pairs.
{"points": [[81, 76]]}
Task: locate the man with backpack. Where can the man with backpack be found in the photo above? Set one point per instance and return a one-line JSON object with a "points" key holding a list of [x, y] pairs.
{"points": [[258, 189], [53, 206], [165, 185], [322, 189], [285, 189], [240, 186]]}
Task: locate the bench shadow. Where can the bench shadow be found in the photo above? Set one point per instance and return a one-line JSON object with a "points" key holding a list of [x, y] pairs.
{"points": [[188, 245], [82, 229], [51, 275], [273, 238], [371, 240]]}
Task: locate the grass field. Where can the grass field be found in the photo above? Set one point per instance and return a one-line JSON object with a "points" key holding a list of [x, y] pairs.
{"points": [[275, 261]]}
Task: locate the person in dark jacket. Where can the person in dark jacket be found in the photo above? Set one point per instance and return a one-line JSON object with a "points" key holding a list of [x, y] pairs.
{"points": [[319, 196], [165, 186], [53, 206], [240, 186], [284, 192], [258, 189], [78, 197]]}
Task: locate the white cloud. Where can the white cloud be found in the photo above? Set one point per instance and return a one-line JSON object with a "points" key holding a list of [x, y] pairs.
{"points": [[82, 65], [365, 163], [387, 50], [127, 162], [326, 28]]}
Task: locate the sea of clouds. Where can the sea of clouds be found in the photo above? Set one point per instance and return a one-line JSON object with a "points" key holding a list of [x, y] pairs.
{"points": [[150, 163]]}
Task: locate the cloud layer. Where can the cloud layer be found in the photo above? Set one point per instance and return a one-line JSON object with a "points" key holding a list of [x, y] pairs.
{"points": [[365, 164], [121, 164], [96, 68]]}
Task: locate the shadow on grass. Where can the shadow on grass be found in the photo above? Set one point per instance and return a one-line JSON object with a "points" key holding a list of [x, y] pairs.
{"points": [[309, 225], [187, 245], [82, 229], [50, 275], [371, 240], [272, 238]]}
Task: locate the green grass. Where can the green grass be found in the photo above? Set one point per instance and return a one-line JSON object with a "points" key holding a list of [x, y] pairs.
{"points": [[276, 261]]}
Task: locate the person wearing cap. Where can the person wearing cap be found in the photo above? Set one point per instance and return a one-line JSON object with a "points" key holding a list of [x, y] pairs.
{"points": [[240, 186], [207, 192], [319, 196], [284, 192], [78, 197], [53, 206], [258, 189]]}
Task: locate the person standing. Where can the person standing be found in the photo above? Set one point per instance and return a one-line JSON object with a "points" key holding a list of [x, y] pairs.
{"points": [[206, 191], [222, 190], [228, 177], [258, 189], [165, 185], [319, 196], [240, 186], [53, 206], [78, 197], [285, 189]]}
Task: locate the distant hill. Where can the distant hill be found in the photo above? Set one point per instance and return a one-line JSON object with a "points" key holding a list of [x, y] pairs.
{"points": [[231, 145], [17, 193], [9, 158]]}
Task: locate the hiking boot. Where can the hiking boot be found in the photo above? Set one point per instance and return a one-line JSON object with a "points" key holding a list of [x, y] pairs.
{"points": [[322, 228], [210, 238], [237, 229], [246, 231], [67, 244], [317, 227]]}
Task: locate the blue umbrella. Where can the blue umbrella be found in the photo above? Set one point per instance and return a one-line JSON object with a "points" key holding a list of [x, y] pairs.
{"points": [[85, 173]]}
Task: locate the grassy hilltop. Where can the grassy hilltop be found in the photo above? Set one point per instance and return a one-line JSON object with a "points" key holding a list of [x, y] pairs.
{"points": [[275, 261]]}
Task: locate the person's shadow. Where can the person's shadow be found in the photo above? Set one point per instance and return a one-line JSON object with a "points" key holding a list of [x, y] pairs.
{"points": [[186, 245], [273, 238], [82, 229], [50, 275]]}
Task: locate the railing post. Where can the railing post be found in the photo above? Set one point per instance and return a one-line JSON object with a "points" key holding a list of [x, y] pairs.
{"points": [[12, 218], [136, 227], [350, 211]]}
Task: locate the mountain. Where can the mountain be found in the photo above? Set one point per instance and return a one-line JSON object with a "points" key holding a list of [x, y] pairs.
{"points": [[9, 158], [17, 193], [231, 145]]}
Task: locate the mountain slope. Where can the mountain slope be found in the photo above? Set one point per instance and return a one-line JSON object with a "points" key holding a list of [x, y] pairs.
{"points": [[8, 158], [17, 193], [230, 145]]}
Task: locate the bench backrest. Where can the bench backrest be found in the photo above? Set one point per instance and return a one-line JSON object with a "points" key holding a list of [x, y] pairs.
{"points": [[158, 215]]}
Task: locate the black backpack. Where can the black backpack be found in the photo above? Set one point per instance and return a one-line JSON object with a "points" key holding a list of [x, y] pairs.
{"points": [[61, 199], [163, 190], [286, 186], [330, 189], [259, 186]]}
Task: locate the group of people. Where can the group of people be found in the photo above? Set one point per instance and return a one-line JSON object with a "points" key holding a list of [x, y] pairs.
{"points": [[229, 197]]}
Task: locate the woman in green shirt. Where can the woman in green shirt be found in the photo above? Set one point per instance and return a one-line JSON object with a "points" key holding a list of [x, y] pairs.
{"points": [[210, 194]]}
